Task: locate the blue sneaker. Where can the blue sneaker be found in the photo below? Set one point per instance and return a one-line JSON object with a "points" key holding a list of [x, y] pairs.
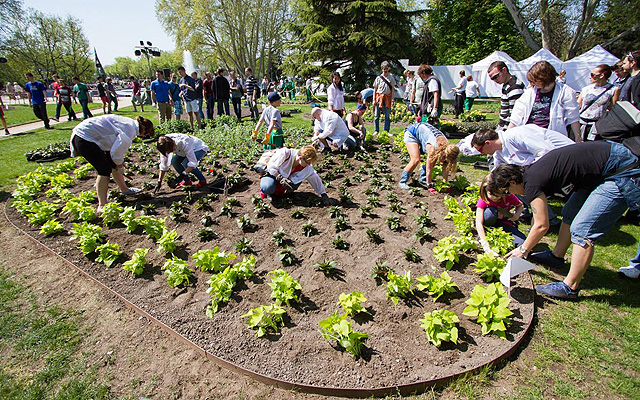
{"points": [[547, 258], [558, 290]]}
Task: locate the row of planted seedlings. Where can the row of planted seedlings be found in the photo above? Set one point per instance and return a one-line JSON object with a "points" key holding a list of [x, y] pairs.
{"points": [[488, 304]]}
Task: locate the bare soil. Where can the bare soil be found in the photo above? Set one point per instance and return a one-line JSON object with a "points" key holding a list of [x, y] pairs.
{"points": [[398, 351]]}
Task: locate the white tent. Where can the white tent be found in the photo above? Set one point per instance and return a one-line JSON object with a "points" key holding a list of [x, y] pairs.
{"points": [[487, 86], [449, 76], [578, 68]]}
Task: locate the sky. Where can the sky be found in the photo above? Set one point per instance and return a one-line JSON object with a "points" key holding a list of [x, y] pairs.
{"points": [[113, 27]]}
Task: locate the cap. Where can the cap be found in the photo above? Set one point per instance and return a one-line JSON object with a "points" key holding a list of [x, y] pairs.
{"points": [[361, 107], [273, 96]]}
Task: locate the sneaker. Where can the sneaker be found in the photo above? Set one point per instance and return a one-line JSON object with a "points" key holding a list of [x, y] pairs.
{"points": [[200, 184], [262, 195], [6, 132], [131, 192], [547, 258], [629, 272], [184, 184], [558, 290], [432, 190], [48, 127], [403, 186], [100, 210]]}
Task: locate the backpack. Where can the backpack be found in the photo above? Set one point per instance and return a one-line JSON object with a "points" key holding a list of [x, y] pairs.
{"points": [[621, 124]]}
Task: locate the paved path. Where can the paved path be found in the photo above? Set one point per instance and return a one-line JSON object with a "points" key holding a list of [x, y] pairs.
{"points": [[28, 127]]}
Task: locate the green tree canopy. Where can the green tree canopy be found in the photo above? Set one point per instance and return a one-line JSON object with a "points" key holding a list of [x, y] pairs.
{"points": [[124, 67], [466, 31], [356, 34]]}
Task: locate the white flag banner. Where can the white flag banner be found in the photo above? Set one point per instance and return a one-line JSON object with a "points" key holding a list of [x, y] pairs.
{"points": [[514, 267]]}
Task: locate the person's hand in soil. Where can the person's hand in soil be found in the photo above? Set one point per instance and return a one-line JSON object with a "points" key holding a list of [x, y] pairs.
{"points": [[158, 186], [326, 200]]}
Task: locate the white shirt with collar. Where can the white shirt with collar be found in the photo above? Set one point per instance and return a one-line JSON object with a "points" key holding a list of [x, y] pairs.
{"points": [[526, 144], [112, 133], [281, 163], [186, 146], [331, 127]]}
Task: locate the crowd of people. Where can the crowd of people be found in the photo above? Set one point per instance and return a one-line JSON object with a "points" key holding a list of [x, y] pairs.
{"points": [[549, 142]]}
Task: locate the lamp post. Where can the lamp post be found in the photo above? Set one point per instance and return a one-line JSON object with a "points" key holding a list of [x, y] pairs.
{"points": [[148, 51]]}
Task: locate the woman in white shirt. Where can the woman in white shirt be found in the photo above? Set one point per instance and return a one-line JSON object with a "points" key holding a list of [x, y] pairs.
{"points": [[103, 141], [472, 91], [335, 95], [183, 152], [547, 103], [596, 98], [287, 168]]}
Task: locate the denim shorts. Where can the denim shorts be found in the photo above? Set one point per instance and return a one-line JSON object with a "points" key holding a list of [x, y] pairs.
{"points": [[591, 214], [424, 137]]}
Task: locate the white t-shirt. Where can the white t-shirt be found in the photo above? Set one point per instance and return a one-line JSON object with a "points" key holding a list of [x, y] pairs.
{"points": [[419, 86], [270, 114], [463, 84], [186, 146], [110, 132], [433, 85], [472, 89], [335, 97]]}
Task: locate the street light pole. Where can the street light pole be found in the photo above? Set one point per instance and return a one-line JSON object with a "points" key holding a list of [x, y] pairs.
{"points": [[149, 51]]}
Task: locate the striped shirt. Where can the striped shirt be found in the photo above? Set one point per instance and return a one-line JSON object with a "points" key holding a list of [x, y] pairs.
{"points": [[511, 91], [250, 85]]}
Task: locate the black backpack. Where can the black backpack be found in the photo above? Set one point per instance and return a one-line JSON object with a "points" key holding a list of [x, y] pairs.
{"points": [[621, 124]]}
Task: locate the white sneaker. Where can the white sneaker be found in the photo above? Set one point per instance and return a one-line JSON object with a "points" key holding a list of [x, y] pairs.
{"points": [[100, 210], [629, 272], [403, 186]]}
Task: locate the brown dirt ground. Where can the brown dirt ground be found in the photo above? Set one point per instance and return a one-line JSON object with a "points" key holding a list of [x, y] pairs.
{"points": [[399, 352]]}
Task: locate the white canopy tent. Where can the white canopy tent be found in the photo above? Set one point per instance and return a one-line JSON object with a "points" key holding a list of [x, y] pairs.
{"points": [[521, 68], [579, 68], [488, 88]]}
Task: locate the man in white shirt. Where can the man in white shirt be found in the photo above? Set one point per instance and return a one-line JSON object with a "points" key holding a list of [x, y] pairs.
{"points": [[330, 131], [522, 145], [460, 94]]}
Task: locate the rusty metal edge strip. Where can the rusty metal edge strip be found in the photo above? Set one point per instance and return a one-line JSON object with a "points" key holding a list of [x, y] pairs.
{"points": [[406, 389]]}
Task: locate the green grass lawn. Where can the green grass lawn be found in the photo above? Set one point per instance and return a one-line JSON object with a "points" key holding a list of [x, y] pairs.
{"points": [[586, 349], [22, 114]]}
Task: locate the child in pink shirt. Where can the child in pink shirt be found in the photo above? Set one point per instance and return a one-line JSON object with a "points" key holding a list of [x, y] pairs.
{"points": [[495, 210]]}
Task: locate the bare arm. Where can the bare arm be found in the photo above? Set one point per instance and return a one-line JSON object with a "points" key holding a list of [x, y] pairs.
{"points": [[539, 228]]}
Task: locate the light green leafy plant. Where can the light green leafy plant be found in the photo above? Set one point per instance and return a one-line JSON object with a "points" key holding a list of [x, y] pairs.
{"points": [[154, 227], [352, 303], [337, 328], [499, 240], [399, 286], [177, 272], [489, 267], [137, 262], [111, 213], [108, 253], [489, 304], [212, 260], [89, 236], [128, 218], [51, 227], [265, 318], [39, 212], [440, 326], [436, 287], [168, 241], [284, 288]]}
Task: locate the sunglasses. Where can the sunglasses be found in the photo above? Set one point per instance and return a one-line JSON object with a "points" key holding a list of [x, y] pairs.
{"points": [[593, 75], [494, 77]]}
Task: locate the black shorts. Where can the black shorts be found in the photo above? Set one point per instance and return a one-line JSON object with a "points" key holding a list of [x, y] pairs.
{"points": [[98, 158]]}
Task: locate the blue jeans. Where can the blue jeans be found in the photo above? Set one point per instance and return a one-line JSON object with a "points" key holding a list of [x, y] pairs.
{"points": [[635, 261], [268, 185], [491, 218], [180, 164], [223, 103], [387, 121], [200, 105], [350, 143], [592, 214], [237, 108], [210, 103], [85, 108]]}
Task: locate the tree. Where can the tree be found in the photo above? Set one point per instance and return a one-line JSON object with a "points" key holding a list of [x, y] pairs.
{"points": [[232, 33], [125, 67], [353, 34], [617, 27], [44, 44], [468, 30]]}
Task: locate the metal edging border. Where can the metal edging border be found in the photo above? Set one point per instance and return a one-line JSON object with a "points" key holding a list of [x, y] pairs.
{"points": [[406, 389]]}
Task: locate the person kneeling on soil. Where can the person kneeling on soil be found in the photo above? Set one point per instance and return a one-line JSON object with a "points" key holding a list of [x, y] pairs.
{"points": [[285, 169], [494, 210], [330, 131], [183, 152], [274, 138], [355, 124], [604, 178], [103, 141], [423, 138]]}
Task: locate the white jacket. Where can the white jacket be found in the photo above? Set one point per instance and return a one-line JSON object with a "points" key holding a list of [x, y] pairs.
{"points": [[186, 146], [330, 127], [335, 97], [524, 145], [565, 109], [281, 163], [110, 132]]}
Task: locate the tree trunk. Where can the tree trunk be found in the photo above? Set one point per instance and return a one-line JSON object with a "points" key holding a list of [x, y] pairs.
{"points": [[545, 24], [522, 28], [588, 8]]}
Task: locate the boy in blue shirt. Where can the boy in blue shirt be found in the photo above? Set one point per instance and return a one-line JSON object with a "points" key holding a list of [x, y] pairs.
{"points": [[160, 96], [37, 98]]}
